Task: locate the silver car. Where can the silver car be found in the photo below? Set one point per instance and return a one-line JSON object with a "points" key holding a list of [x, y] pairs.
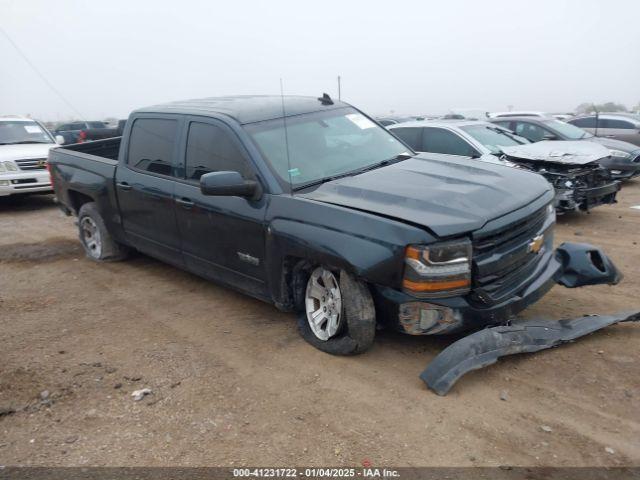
{"points": [[621, 126]]}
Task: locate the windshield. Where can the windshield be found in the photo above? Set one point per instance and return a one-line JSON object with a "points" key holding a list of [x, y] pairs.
{"points": [[494, 138], [323, 145], [571, 132], [13, 132]]}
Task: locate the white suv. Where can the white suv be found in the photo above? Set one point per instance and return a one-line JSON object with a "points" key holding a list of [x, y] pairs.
{"points": [[24, 147]]}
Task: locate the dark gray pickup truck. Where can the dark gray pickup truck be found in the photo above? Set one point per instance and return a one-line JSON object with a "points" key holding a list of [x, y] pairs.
{"points": [[310, 205]]}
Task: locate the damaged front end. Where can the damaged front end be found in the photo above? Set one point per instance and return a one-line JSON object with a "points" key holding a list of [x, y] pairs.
{"points": [[580, 264], [573, 169]]}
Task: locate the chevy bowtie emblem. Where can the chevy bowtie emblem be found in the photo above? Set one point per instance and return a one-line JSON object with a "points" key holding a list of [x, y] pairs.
{"points": [[535, 245], [42, 162]]}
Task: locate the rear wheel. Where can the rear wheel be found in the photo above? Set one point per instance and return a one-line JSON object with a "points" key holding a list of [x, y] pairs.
{"points": [[95, 238], [338, 315]]}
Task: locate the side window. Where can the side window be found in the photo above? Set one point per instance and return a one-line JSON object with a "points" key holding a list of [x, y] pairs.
{"points": [[586, 122], [614, 123], [210, 149], [151, 145], [530, 131], [77, 126], [439, 140], [410, 136]]}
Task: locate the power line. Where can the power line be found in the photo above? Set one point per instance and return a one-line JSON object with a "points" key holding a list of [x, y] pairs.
{"points": [[42, 77]]}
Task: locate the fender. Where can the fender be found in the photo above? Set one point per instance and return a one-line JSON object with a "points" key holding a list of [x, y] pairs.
{"points": [[370, 247]]}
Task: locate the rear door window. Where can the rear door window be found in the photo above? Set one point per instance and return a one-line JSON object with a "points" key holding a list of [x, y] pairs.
{"points": [[530, 131], [412, 136], [211, 149], [151, 145], [439, 140], [614, 123]]}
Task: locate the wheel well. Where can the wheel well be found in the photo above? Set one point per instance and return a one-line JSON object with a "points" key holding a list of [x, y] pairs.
{"points": [[295, 273], [78, 199]]}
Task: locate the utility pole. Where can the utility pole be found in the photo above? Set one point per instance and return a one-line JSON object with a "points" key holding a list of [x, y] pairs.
{"points": [[339, 92]]}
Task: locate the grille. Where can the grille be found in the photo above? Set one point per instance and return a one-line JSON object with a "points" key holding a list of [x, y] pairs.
{"points": [[502, 258], [32, 164]]}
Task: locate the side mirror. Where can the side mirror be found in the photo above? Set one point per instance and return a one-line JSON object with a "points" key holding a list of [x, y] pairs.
{"points": [[59, 139], [549, 136], [228, 184]]}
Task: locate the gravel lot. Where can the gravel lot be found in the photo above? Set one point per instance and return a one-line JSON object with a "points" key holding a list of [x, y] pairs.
{"points": [[234, 384]]}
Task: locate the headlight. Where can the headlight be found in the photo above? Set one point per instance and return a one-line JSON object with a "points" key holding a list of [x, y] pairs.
{"points": [[619, 154], [10, 166], [439, 270], [2, 168]]}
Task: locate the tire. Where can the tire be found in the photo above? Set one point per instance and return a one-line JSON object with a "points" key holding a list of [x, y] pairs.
{"points": [[95, 238], [356, 327]]}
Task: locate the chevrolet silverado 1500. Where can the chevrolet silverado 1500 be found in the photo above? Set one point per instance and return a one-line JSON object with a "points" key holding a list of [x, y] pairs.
{"points": [[310, 205]]}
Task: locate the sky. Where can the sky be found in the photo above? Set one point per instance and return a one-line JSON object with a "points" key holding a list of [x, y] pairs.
{"points": [[104, 59]]}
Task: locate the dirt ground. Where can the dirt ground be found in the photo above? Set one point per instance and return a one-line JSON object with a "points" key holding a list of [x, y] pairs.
{"points": [[234, 384]]}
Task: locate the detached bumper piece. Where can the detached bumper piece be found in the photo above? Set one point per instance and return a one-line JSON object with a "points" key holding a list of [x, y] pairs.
{"points": [[485, 347], [584, 264]]}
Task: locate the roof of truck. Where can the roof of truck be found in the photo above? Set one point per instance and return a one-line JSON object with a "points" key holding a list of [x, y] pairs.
{"points": [[246, 108]]}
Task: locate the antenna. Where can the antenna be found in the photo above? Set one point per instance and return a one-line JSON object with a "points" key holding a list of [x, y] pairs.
{"points": [[286, 137]]}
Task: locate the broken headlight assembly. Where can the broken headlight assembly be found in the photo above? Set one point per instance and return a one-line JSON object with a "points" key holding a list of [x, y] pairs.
{"points": [[438, 270]]}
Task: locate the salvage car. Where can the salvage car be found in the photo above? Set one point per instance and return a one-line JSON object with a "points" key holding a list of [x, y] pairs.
{"points": [[623, 161], [308, 204], [572, 168], [24, 146]]}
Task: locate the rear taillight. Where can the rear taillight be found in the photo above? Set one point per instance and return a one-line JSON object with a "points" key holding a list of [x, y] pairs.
{"points": [[82, 137]]}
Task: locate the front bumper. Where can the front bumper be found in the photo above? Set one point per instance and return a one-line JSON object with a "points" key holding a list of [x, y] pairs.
{"points": [[36, 181], [571, 265], [586, 198]]}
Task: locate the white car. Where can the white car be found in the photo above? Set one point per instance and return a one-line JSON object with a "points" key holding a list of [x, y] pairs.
{"points": [[24, 148], [519, 113]]}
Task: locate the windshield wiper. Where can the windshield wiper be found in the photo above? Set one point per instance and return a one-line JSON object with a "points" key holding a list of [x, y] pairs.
{"points": [[20, 142], [383, 163]]}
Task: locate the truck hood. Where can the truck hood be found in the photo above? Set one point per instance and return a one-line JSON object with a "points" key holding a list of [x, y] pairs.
{"points": [[25, 150], [448, 197], [565, 152]]}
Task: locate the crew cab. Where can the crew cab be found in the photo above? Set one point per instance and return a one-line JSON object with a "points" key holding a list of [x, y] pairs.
{"points": [[24, 146], [573, 168], [309, 204]]}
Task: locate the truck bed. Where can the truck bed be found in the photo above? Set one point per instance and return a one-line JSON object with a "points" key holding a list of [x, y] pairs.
{"points": [[103, 149], [86, 172]]}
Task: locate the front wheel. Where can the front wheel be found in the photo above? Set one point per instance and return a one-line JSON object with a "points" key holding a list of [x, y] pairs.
{"points": [[338, 315], [95, 238]]}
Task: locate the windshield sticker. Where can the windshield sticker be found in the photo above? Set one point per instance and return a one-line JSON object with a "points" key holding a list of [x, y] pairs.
{"points": [[33, 129], [360, 121], [294, 172]]}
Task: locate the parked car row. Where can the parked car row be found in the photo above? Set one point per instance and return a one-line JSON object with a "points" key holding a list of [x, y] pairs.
{"points": [[579, 180], [324, 212], [78, 132]]}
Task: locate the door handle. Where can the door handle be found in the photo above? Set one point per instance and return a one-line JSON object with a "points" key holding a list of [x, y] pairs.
{"points": [[124, 186], [184, 202]]}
